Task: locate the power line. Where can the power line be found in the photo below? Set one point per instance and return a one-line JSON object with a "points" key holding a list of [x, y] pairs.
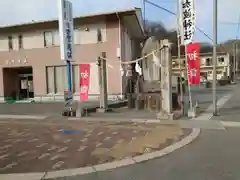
{"points": [[172, 13], [156, 5], [149, 2], [228, 22]]}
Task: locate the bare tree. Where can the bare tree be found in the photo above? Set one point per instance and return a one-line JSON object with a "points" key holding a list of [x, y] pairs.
{"points": [[159, 32]]}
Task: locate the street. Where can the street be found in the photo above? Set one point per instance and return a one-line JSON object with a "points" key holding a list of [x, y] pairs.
{"points": [[213, 155], [56, 144]]}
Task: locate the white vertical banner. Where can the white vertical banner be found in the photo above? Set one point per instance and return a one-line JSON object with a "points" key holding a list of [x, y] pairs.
{"points": [[66, 29], [187, 20]]}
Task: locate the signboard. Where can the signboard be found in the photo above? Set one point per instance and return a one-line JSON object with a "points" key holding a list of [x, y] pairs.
{"points": [[193, 63], [66, 29], [84, 81], [187, 20]]}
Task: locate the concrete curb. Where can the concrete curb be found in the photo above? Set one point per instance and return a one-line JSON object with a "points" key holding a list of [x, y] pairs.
{"points": [[9, 116], [39, 117], [102, 167]]}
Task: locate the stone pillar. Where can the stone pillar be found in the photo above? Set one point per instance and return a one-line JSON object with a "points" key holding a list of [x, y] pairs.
{"points": [[166, 81]]}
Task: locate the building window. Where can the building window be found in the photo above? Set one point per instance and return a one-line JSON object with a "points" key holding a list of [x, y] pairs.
{"points": [[50, 74], [99, 35], [61, 79], [48, 39], [10, 43], [221, 60], [20, 42], [57, 79]]}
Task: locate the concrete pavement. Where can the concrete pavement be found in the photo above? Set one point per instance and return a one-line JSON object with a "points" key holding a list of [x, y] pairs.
{"points": [[43, 109]]}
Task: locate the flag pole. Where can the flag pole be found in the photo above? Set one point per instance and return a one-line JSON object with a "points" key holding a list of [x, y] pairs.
{"points": [[179, 58]]}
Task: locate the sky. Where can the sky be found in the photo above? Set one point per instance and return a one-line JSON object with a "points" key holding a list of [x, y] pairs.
{"points": [[20, 11]]}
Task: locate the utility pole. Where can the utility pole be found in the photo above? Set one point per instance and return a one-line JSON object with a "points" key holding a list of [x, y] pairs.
{"points": [[234, 61], [237, 58], [215, 15]]}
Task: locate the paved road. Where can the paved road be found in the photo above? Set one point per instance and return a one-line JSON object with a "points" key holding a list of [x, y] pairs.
{"points": [[214, 155], [231, 110], [204, 95]]}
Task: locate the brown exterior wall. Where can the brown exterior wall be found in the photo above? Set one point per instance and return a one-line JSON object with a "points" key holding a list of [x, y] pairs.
{"points": [[39, 58]]}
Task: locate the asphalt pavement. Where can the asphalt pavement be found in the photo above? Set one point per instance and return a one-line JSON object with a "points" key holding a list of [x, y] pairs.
{"points": [[231, 110], [213, 155]]}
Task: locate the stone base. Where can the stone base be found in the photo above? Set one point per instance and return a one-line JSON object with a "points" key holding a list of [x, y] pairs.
{"points": [[192, 113], [165, 116], [79, 113]]}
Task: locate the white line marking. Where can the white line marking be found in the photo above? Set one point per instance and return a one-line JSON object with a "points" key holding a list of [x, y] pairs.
{"points": [[62, 149], [98, 144], [22, 153], [52, 148], [82, 148], [107, 138], [67, 141], [4, 156], [84, 139], [54, 158], [10, 165], [58, 165], [230, 124], [41, 145], [6, 147], [43, 155], [100, 133], [207, 115]]}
